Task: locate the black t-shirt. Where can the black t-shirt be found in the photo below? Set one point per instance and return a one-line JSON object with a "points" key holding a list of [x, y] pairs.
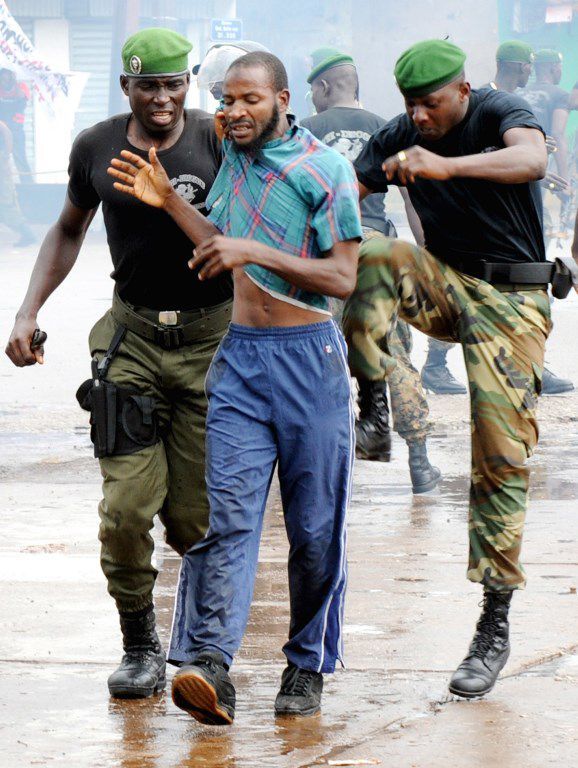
{"points": [[348, 130], [467, 219], [544, 99], [149, 251]]}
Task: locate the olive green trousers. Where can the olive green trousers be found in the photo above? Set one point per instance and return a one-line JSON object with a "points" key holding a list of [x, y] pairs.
{"points": [[167, 478]]}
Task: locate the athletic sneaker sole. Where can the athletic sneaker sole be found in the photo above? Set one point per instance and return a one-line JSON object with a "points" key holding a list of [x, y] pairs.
{"points": [[196, 696]]}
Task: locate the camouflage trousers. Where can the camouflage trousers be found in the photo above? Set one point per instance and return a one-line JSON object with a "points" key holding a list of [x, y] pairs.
{"points": [[503, 336]]}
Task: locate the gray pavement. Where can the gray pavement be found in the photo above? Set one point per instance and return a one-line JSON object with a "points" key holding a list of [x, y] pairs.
{"points": [[410, 611]]}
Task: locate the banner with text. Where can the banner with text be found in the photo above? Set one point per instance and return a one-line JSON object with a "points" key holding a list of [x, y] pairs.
{"points": [[18, 54]]}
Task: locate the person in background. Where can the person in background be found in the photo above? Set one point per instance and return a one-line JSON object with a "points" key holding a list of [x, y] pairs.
{"points": [[14, 97], [343, 124], [10, 212], [551, 105], [210, 73]]}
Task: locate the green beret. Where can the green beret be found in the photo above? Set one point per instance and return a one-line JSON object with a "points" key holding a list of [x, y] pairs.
{"points": [[154, 52], [516, 51], [326, 58], [428, 66], [548, 56]]}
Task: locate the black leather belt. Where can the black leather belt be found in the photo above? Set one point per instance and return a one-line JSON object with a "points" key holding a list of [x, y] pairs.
{"points": [[170, 336], [532, 275]]}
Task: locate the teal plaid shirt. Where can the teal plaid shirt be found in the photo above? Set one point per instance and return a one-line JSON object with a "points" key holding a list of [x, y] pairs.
{"points": [[296, 195]]}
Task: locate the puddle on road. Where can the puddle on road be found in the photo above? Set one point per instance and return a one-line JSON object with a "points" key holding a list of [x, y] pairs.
{"points": [[23, 449], [67, 712]]}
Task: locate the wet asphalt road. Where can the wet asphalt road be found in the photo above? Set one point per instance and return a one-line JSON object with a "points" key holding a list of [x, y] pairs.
{"points": [[410, 611]]}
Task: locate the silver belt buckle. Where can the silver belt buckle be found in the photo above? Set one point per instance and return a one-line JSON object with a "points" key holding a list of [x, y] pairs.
{"points": [[169, 317]]}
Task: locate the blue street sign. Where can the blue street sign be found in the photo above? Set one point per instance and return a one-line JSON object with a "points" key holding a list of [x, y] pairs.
{"points": [[223, 30]]}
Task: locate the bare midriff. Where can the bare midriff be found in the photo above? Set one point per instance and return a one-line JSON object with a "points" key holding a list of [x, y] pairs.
{"points": [[255, 307]]}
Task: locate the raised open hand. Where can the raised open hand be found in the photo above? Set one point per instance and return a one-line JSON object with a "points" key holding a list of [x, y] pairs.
{"points": [[147, 181]]}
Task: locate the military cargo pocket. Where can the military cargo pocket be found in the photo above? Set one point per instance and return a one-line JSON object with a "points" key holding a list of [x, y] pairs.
{"points": [[101, 333]]}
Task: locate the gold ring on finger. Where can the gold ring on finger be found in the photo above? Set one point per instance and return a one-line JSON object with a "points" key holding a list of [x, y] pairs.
{"points": [[401, 156]]}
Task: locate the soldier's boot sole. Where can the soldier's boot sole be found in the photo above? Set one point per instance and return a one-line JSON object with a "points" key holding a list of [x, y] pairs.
{"points": [[196, 696], [137, 692], [471, 696], [465, 694], [430, 485]]}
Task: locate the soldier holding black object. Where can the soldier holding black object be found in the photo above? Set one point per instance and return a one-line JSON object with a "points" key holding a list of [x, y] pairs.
{"points": [[151, 352]]}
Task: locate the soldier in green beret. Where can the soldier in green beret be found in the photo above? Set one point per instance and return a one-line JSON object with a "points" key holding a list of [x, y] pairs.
{"points": [[550, 104], [470, 161], [514, 66], [514, 60], [341, 123], [152, 350]]}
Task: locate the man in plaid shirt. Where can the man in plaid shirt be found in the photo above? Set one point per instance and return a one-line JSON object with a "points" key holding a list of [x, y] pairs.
{"points": [[285, 219]]}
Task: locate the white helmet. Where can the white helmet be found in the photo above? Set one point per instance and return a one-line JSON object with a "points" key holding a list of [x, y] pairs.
{"points": [[211, 71]]}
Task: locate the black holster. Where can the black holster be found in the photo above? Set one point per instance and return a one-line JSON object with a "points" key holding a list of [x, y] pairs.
{"points": [[561, 280], [122, 420]]}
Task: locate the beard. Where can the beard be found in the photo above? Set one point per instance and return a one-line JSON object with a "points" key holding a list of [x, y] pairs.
{"points": [[266, 133]]}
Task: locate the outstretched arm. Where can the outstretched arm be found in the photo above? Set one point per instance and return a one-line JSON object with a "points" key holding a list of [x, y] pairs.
{"points": [[149, 182]]}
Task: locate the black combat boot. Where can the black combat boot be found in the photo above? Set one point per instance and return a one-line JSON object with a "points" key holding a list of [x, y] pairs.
{"points": [[142, 669], [554, 385], [436, 377], [424, 476], [300, 692], [372, 428], [489, 650], [204, 689]]}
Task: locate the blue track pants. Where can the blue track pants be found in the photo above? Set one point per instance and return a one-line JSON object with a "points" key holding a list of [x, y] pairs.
{"points": [[277, 396]]}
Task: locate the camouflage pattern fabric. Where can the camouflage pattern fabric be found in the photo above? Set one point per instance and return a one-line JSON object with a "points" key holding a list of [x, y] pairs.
{"points": [[409, 406], [503, 337]]}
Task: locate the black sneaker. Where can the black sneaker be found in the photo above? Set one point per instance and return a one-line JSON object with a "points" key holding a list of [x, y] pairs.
{"points": [[300, 692], [204, 689]]}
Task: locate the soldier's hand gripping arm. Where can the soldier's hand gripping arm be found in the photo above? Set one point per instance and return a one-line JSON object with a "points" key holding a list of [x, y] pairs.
{"points": [[150, 183], [56, 258]]}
